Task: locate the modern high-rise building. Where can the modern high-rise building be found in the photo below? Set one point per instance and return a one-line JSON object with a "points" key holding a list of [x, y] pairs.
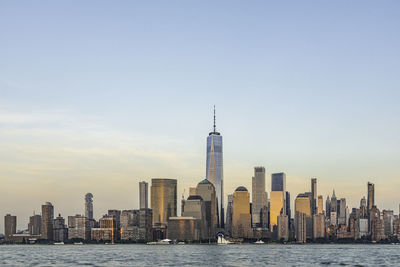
{"points": [[214, 170], [34, 224], [79, 227], [259, 197], [241, 219], [163, 199], [144, 195], [320, 204], [10, 226], [303, 206], [371, 196], [342, 211], [314, 196], [206, 190], [318, 226], [195, 207], [283, 227], [60, 230], [288, 209], [89, 206], [277, 198], [47, 221], [229, 213]]}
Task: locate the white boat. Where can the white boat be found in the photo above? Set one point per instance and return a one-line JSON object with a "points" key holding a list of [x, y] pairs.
{"points": [[58, 243], [78, 243], [161, 242], [181, 243], [222, 241], [259, 242]]}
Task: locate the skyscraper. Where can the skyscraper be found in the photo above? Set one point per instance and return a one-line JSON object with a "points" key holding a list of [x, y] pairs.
{"points": [[277, 201], [303, 207], [144, 195], [241, 219], [47, 221], [259, 196], [206, 190], [163, 199], [34, 225], [314, 196], [320, 204], [371, 196], [214, 170], [89, 206], [10, 226]]}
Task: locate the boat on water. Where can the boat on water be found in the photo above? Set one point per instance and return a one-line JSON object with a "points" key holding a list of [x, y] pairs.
{"points": [[222, 241], [161, 242], [181, 243], [259, 242], [58, 243], [78, 243]]}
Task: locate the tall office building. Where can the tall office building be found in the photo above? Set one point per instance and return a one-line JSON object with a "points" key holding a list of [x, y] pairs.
{"points": [[10, 226], [60, 230], [320, 204], [214, 170], [328, 207], [79, 227], [89, 206], [229, 213], [163, 199], [288, 209], [371, 196], [34, 224], [314, 196], [241, 219], [47, 221], [277, 198], [259, 197], [206, 190], [303, 206], [342, 211], [144, 195]]}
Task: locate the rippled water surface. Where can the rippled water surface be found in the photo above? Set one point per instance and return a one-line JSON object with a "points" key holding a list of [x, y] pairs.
{"points": [[200, 255]]}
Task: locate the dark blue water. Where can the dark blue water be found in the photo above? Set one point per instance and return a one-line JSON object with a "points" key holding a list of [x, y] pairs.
{"points": [[200, 255]]}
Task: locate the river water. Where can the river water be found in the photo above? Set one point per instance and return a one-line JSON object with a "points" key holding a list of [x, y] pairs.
{"points": [[200, 255]]}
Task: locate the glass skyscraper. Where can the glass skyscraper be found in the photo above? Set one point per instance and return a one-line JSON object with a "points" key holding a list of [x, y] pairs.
{"points": [[214, 170]]}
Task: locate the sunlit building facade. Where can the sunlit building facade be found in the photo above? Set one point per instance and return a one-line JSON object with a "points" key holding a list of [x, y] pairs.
{"points": [[163, 199], [241, 220], [277, 198], [303, 206], [214, 170]]}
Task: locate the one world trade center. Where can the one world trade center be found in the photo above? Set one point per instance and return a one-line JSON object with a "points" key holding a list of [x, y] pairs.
{"points": [[215, 170]]}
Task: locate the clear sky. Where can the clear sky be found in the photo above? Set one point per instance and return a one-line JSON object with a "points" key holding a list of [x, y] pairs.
{"points": [[96, 96]]}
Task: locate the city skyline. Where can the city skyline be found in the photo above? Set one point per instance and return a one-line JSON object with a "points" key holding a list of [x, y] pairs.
{"points": [[95, 97]]}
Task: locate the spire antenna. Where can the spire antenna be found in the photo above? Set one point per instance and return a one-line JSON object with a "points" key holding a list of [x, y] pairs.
{"points": [[214, 119]]}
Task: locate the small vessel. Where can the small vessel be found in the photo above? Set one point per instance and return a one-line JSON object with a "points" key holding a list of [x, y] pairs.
{"points": [[58, 243], [222, 241], [259, 242], [181, 243], [161, 242], [78, 243]]}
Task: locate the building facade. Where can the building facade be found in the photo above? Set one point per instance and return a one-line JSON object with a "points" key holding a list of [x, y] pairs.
{"points": [[277, 198], [241, 219], [10, 226], [47, 221], [163, 200], [259, 198], [214, 170], [144, 195]]}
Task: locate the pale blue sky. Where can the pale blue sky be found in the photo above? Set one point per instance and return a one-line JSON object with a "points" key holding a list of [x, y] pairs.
{"points": [[97, 95]]}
